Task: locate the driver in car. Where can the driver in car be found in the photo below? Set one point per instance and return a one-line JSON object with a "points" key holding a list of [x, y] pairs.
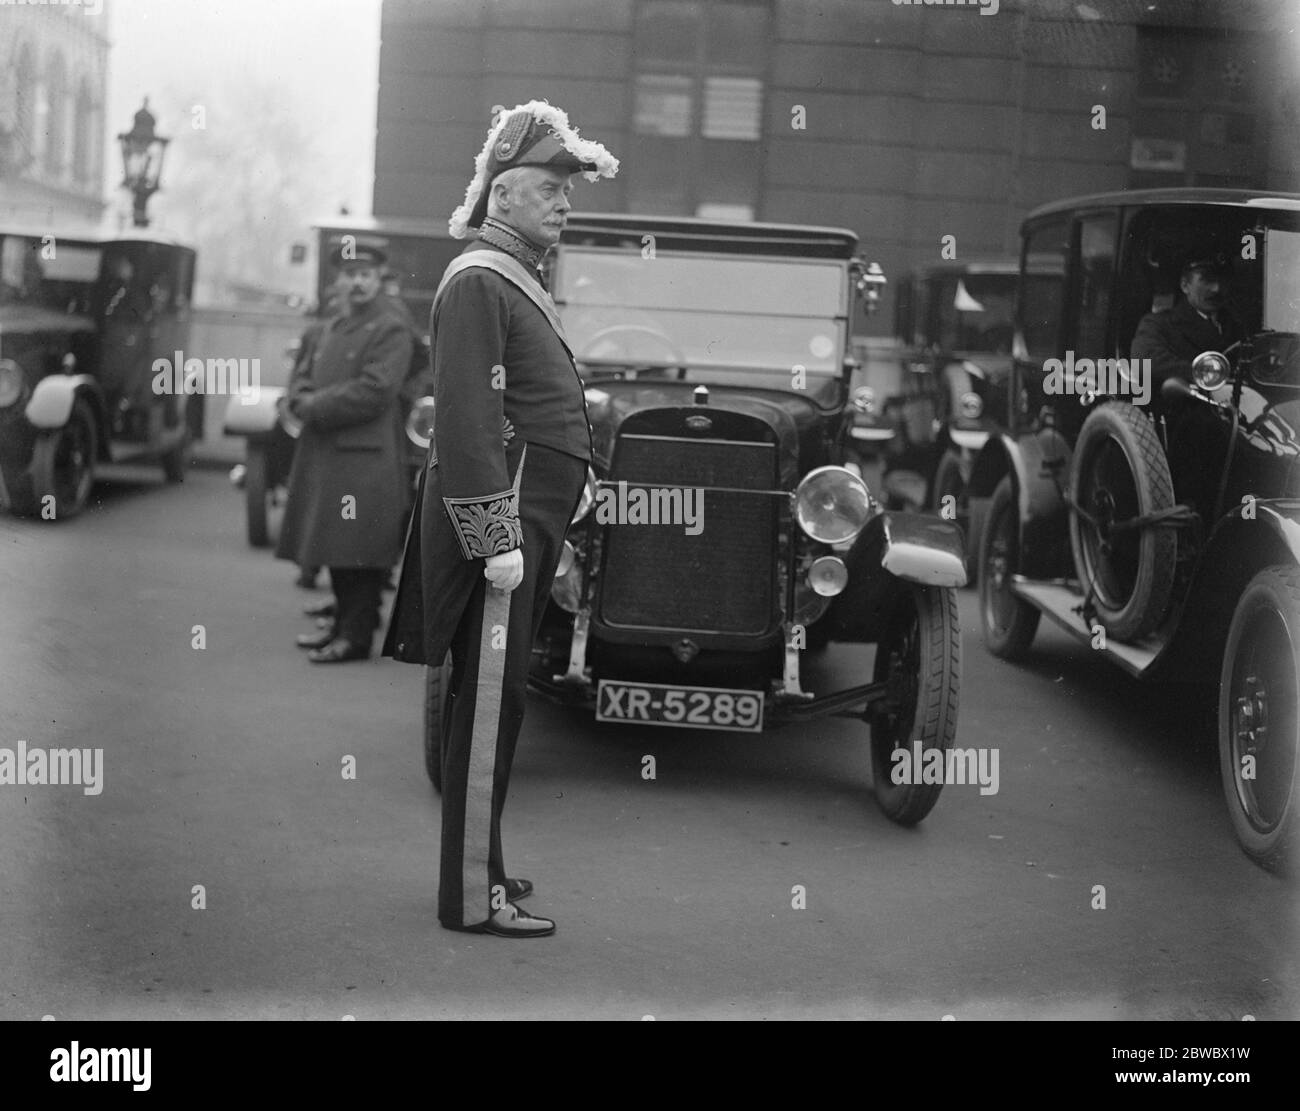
{"points": [[1200, 320]]}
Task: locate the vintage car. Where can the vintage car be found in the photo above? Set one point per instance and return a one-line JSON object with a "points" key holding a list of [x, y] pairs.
{"points": [[716, 364], [953, 320], [417, 253], [82, 322], [1160, 523]]}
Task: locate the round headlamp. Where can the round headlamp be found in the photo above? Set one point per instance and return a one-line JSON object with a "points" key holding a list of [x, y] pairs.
{"points": [[11, 382], [587, 500], [1210, 370], [419, 422], [832, 504], [828, 576], [971, 406]]}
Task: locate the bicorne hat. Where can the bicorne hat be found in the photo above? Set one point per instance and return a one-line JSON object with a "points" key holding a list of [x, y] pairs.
{"points": [[532, 134]]}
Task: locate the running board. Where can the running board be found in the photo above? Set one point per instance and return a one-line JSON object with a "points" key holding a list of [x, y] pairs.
{"points": [[1061, 604]]}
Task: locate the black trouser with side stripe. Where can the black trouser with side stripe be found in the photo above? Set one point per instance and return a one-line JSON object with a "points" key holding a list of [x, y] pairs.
{"points": [[490, 652]]}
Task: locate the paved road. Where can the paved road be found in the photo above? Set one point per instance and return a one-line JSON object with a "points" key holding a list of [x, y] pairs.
{"points": [[224, 768]]}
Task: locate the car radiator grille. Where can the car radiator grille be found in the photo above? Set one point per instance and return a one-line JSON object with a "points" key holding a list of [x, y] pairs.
{"points": [[721, 580]]}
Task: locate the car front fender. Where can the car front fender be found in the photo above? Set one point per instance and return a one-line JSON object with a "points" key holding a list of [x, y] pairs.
{"points": [[51, 402], [915, 547], [911, 547], [253, 414]]}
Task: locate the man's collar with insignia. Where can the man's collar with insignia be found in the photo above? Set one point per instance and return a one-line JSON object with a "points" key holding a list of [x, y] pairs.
{"points": [[496, 234]]}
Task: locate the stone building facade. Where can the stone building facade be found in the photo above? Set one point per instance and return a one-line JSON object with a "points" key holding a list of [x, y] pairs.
{"points": [[53, 91], [906, 122]]}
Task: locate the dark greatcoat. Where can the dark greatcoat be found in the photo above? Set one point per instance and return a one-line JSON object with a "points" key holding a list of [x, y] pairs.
{"points": [[1172, 338], [352, 444]]}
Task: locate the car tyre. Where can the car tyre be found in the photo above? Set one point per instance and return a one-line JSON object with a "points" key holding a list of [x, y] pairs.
{"points": [[1119, 472], [437, 719], [63, 463], [919, 656], [947, 481], [1009, 623], [1259, 732], [255, 495]]}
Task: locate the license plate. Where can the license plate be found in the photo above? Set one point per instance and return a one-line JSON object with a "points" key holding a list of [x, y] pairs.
{"points": [[684, 707]]}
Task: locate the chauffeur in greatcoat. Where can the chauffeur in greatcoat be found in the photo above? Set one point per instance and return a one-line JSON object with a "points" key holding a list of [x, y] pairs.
{"points": [[347, 491], [1201, 320], [507, 466]]}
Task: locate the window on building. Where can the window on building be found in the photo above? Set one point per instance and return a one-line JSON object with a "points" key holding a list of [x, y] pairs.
{"points": [[1194, 109], [56, 144], [25, 109], [83, 136], [698, 106]]}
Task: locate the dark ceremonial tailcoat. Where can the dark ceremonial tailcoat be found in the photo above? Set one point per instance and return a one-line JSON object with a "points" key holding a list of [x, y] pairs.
{"points": [[503, 378], [351, 444], [1173, 337]]}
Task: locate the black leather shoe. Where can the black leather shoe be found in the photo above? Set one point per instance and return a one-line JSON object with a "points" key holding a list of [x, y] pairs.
{"points": [[321, 609], [339, 650], [518, 889], [314, 640], [510, 921]]}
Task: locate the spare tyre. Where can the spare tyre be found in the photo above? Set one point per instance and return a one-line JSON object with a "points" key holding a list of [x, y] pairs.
{"points": [[1119, 473]]}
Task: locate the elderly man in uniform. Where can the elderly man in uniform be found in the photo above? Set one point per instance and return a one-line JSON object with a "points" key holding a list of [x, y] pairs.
{"points": [[347, 501], [507, 467]]}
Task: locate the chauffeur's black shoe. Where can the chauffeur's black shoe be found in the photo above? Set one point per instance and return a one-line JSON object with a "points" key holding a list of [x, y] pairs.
{"points": [[315, 640], [338, 651], [326, 608]]}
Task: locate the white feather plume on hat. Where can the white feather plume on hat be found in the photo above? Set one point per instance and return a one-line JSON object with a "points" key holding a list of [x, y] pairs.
{"points": [[585, 150]]}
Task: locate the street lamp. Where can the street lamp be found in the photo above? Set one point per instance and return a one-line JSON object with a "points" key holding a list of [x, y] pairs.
{"points": [[142, 159]]}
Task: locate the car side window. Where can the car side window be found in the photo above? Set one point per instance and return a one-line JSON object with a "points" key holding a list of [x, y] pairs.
{"points": [[1042, 289], [1096, 279]]}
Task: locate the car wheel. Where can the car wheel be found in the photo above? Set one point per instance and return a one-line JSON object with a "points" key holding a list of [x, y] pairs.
{"points": [[63, 463], [947, 481], [1259, 731], [1120, 472], [1009, 623], [919, 657], [255, 495], [437, 719]]}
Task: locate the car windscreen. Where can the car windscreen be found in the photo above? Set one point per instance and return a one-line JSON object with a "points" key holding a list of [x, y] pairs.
{"points": [[976, 312], [1282, 281], [703, 312], [47, 272]]}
